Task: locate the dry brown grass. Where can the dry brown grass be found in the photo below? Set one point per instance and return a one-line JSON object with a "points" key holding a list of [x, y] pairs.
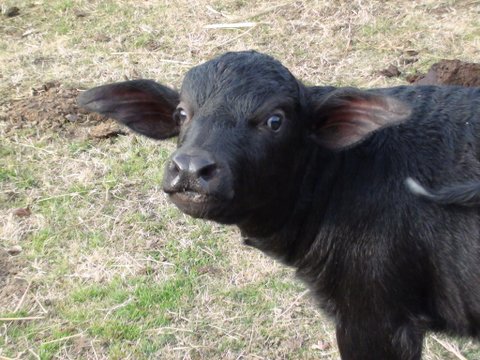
{"points": [[323, 42], [101, 229]]}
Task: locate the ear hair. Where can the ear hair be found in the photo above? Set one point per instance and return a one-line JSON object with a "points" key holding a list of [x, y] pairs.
{"points": [[347, 116]]}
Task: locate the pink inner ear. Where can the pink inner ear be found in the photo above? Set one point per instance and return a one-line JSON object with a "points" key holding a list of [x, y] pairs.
{"points": [[348, 118], [345, 130], [352, 117]]}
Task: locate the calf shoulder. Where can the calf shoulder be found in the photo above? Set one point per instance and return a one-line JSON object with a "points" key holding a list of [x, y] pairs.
{"points": [[379, 246]]}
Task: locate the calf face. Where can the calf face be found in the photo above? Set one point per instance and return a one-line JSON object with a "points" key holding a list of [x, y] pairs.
{"points": [[243, 123]]}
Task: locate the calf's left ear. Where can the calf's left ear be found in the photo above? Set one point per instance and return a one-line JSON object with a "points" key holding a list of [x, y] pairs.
{"points": [[144, 106], [347, 116]]}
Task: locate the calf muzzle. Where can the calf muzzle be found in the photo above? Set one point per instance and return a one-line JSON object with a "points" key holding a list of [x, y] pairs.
{"points": [[196, 182]]}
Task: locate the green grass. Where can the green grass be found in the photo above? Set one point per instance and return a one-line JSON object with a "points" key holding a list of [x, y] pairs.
{"points": [[132, 276], [109, 268], [23, 178]]}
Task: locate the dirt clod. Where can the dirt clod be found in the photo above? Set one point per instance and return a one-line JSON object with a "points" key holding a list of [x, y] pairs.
{"points": [[412, 78], [411, 53], [105, 130], [451, 72], [14, 250], [11, 11], [22, 212], [79, 13], [391, 71]]}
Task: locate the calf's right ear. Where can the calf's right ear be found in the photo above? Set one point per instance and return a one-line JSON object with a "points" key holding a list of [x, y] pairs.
{"points": [[144, 106]]}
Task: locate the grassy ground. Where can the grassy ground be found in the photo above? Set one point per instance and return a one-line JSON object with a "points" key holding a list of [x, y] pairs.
{"points": [[109, 269]]}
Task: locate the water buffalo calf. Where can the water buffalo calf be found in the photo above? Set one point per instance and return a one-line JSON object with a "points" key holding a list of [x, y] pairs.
{"points": [[372, 195]]}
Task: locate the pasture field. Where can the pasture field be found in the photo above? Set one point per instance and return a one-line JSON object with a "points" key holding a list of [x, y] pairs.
{"points": [[98, 264]]}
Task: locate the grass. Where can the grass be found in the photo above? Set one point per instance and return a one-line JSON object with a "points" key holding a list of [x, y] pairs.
{"points": [[108, 268]]}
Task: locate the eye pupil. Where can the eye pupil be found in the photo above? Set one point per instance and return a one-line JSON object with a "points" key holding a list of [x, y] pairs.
{"points": [[274, 122], [181, 115]]}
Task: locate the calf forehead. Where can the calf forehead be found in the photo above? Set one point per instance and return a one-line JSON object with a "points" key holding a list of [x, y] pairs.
{"points": [[243, 79]]}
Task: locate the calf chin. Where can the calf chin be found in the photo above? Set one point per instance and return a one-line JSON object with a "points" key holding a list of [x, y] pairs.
{"points": [[205, 207]]}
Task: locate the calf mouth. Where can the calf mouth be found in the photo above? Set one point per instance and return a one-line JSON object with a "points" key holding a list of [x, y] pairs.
{"points": [[218, 207], [196, 204], [191, 197]]}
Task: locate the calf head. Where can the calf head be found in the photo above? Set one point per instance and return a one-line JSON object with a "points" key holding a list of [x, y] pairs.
{"points": [[245, 128]]}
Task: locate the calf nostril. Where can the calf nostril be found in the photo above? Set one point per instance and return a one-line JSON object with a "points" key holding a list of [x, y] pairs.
{"points": [[179, 163], [207, 172], [193, 165], [174, 169]]}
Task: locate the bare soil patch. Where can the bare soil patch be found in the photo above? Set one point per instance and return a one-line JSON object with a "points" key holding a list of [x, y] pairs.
{"points": [[53, 107]]}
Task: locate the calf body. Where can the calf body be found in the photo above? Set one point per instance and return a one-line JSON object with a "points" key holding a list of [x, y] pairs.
{"points": [[317, 177]]}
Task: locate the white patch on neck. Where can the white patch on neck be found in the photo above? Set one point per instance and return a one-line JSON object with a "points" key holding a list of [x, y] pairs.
{"points": [[416, 188]]}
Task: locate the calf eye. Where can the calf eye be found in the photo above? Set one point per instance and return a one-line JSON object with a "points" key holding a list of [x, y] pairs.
{"points": [[180, 115], [274, 122]]}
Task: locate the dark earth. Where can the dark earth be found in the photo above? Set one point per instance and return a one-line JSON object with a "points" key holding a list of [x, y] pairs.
{"points": [[53, 107], [451, 72]]}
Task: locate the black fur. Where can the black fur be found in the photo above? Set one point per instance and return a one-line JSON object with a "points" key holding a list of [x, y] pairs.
{"points": [[326, 192]]}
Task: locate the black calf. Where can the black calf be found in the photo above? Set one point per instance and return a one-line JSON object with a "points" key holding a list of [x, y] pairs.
{"points": [[317, 177]]}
